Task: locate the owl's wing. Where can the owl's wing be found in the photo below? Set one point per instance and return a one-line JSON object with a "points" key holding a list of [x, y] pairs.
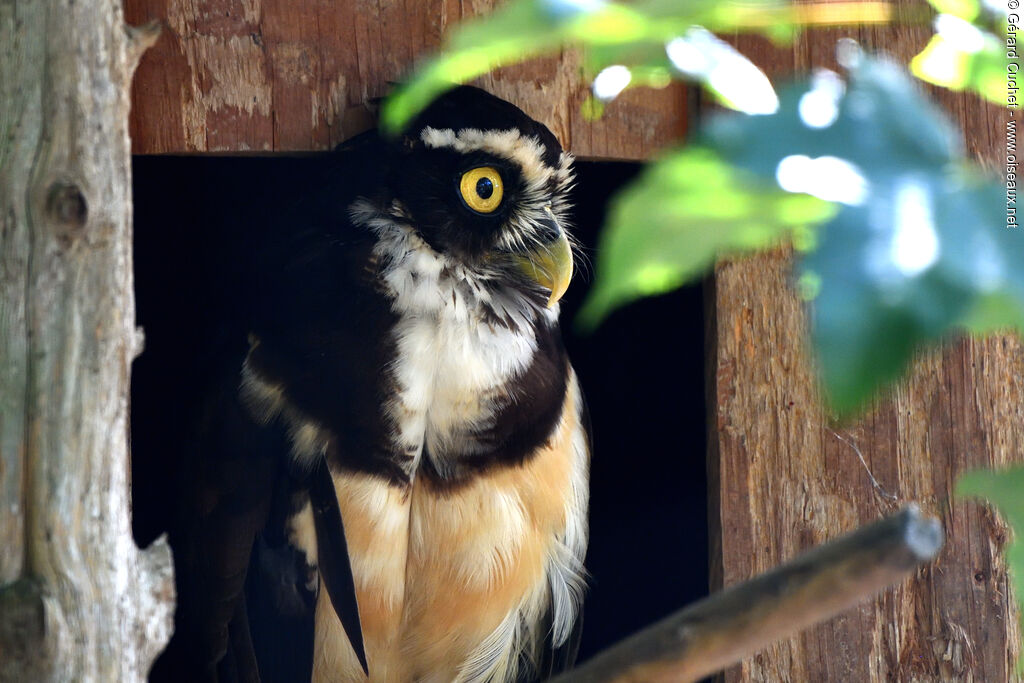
{"points": [[333, 558], [208, 475], [224, 490], [281, 589]]}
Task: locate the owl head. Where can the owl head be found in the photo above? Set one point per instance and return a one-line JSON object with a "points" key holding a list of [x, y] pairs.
{"points": [[488, 186]]}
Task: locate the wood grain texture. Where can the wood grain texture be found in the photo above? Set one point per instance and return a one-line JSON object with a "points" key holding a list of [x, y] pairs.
{"points": [[784, 477], [78, 600], [295, 75]]}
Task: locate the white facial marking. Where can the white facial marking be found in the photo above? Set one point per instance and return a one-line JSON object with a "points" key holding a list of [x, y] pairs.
{"points": [[452, 363]]}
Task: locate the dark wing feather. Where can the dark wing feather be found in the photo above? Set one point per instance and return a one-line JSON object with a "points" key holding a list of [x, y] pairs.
{"points": [[223, 480], [319, 322], [224, 500], [281, 590], [333, 559], [282, 587]]}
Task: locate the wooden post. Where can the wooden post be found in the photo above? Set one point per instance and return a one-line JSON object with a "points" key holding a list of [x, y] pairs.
{"points": [[784, 477], [78, 600]]}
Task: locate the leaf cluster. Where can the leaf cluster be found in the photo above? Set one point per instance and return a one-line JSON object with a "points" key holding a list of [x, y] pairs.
{"points": [[901, 240]]}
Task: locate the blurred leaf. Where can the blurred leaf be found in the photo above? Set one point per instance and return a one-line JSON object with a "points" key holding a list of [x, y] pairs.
{"points": [[920, 246], [921, 257], [994, 312], [879, 123], [696, 55], [592, 109], [1005, 491], [670, 224], [965, 9], [634, 35], [519, 30], [642, 55], [732, 78], [926, 254], [776, 19], [962, 57]]}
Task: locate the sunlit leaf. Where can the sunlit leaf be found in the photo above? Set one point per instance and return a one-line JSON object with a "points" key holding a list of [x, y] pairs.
{"points": [[879, 122], [633, 34], [515, 32], [684, 211], [919, 247], [968, 60], [592, 109], [998, 311], [732, 78], [774, 18], [965, 9], [1004, 490], [639, 56]]}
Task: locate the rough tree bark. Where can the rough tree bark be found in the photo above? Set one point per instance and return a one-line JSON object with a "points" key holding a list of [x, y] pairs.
{"points": [[78, 600]]}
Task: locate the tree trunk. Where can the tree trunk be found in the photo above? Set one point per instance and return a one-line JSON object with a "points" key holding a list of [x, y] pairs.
{"points": [[78, 600]]}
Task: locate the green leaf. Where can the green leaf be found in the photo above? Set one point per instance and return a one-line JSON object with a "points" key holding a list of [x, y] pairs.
{"points": [[976, 63], [965, 9], [919, 247], [1004, 490], [519, 30], [998, 311], [879, 123], [669, 226], [924, 255], [634, 35]]}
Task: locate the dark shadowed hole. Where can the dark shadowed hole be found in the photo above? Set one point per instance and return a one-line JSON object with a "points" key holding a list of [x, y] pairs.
{"points": [[642, 372]]}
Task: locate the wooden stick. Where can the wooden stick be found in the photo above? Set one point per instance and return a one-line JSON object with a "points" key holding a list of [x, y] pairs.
{"points": [[725, 627]]}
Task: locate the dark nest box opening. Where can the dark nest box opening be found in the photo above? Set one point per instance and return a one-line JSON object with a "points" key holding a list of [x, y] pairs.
{"points": [[642, 372]]}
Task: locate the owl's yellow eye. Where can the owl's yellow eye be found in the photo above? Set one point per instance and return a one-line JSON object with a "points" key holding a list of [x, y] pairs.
{"points": [[482, 189]]}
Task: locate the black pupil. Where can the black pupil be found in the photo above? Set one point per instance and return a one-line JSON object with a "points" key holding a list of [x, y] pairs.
{"points": [[484, 188]]}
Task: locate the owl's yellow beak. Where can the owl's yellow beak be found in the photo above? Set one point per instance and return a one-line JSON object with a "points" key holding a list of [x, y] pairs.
{"points": [[550, 265]]}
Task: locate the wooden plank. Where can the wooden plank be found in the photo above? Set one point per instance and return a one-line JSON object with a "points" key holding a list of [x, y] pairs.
{"points": [[294, 75], [78, 600], [783, 477]]}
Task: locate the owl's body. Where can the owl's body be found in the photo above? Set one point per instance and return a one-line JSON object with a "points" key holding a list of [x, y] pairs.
{"points": [[425, 498], [455, 587]]}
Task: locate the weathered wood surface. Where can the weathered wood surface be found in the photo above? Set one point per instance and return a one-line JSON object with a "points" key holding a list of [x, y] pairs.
{"points": [[290, 75], [783, 477], [78, 600]]}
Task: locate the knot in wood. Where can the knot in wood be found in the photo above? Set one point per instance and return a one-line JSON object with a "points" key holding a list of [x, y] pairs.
{"points": [[67, 208]]}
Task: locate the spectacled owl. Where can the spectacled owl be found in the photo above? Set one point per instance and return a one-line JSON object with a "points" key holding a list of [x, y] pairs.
{"points": [[396, 459]]}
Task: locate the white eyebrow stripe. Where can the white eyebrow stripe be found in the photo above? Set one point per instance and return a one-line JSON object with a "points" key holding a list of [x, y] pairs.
{"points": [[526, 152]]}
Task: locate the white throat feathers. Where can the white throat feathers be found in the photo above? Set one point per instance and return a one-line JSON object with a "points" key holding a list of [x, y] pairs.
{"points": [[462, 339]]}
